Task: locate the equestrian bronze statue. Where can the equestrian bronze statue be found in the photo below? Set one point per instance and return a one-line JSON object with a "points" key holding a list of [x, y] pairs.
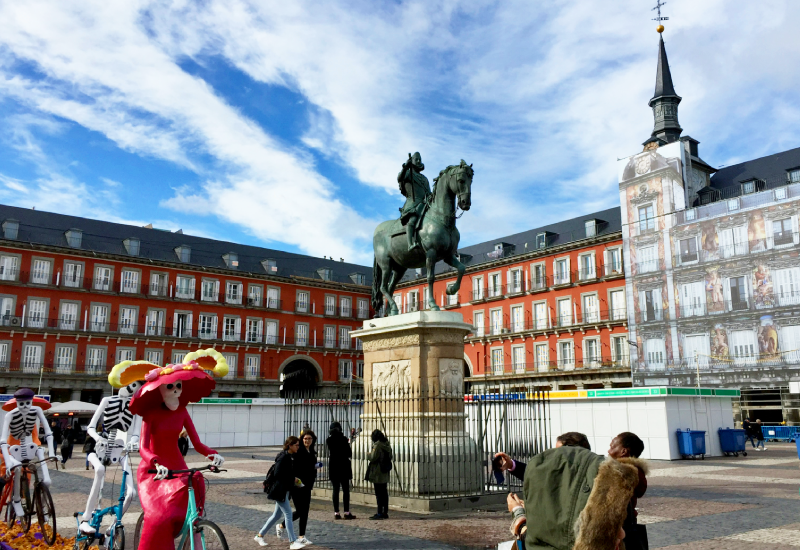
{"points": [[424, 234]]}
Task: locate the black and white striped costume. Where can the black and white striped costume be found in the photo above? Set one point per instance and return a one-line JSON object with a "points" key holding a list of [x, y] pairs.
{"points": [[20, 424], [117, 417]]}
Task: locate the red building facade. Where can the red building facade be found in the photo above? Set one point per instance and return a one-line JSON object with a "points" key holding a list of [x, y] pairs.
{"points": [[79, 295], [548, 306]]}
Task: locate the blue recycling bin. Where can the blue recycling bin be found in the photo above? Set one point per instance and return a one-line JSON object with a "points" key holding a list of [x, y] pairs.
{"points": [[692, 443], [732, 441]]}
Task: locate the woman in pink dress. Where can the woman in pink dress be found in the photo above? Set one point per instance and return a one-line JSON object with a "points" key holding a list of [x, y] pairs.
{"points": [[161, 403]]}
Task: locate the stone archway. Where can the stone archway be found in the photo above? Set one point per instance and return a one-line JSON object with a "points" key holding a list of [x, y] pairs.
{"points": [[299, 374]]}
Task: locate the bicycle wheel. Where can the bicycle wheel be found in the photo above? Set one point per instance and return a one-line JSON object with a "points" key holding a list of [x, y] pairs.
{"points": [[119, 538], [210, 536], [138, 532], [5, 500], [45, 513]]}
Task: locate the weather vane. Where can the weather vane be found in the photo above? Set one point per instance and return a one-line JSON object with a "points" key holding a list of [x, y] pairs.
{"points": [[660, 27]]}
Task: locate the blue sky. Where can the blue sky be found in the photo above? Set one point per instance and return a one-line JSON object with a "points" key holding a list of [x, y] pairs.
{"points": [[284, 124]]}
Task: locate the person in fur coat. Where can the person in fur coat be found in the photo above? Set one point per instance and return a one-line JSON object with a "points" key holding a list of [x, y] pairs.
{"points": [[577, 500]]}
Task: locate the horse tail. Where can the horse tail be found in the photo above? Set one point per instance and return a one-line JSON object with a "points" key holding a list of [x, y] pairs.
{"points": [[377, 296]]}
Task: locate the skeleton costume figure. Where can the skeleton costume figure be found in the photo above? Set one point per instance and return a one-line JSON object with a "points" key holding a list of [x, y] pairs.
{"points": [[20, 424], [116, 417]]}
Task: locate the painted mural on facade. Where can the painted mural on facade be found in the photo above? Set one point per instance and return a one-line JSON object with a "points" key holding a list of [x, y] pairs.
{"points": [[727, 275]]}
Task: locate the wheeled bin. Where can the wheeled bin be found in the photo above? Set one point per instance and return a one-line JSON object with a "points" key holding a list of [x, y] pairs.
{"points": [[692, 443], [732, 441]]}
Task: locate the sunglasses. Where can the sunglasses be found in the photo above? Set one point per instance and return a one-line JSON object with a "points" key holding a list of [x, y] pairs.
{"points": [[170, 386]]}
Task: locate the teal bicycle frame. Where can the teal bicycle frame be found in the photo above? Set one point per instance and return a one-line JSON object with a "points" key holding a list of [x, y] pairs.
{"points": [[192, 515], [97, 518]]}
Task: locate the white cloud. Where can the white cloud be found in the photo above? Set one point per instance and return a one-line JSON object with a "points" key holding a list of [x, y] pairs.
{"points": [[542, 98]]}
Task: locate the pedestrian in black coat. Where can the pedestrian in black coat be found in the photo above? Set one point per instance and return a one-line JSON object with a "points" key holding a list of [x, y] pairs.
{"points": [[340, 469], [305, 468], [280, 491]]}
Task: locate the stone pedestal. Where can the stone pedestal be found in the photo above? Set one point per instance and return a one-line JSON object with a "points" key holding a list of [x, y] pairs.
{"points": [[413, 387]]}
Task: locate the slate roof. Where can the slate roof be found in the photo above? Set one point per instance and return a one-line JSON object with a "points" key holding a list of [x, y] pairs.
{"points": [[559, 233], [47, 228], [664, 85], [772, 169]]}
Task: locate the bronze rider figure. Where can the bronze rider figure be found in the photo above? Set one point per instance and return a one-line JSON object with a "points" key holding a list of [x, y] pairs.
{"points": [[416, 188]]}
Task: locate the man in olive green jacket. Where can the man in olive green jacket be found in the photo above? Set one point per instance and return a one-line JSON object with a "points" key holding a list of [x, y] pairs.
{"points": [[576, 500]]}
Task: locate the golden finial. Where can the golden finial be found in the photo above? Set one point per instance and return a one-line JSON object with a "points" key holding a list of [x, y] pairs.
{"points": [[660, 27]]}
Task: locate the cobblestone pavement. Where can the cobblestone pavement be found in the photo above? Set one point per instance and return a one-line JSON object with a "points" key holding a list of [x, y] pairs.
{"points": [[727, 503]]}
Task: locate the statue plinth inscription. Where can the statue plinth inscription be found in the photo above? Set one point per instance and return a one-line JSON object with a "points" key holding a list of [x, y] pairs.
{"points": [[413, 387]]}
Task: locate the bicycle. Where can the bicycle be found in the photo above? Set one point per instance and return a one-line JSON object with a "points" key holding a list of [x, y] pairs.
{"points": [[40, 503], [115, 533], [209, 534]]}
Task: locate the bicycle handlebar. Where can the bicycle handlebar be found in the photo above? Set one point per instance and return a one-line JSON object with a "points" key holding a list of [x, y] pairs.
{"points": [[170, 473], [29, 463]]}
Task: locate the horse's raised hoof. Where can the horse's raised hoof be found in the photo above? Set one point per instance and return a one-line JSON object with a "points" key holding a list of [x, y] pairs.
{"points": [[451, 289]]}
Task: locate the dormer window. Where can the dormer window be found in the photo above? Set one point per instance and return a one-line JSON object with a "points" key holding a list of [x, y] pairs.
{"points": [[270, 265], [325, 273], [793, 175], [358, 278], [231, 260], [541, 240], [74, 238], [10, 229], [184, 253], [132, 246], [591, 227]]}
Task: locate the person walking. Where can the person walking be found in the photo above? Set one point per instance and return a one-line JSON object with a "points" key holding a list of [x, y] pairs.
{"points": [[89, 446], [340, 468], [67, 444], [380, 464], [56, 429], [305, 468], [183, 442], [759, 433], [749, 431], [280, 492]]}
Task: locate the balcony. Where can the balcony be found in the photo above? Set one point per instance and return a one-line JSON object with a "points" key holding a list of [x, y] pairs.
{"points": [[539, 284], [273, 303], [649, 266], [781, 238], [586, 275], [346, 312], [562, 278], [330, 310], [478, 295], [304, 307], [651, 314], [613, 270], [514, 289]]}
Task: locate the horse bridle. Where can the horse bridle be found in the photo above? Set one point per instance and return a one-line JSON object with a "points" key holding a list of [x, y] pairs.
{"points": [[461, 169]]}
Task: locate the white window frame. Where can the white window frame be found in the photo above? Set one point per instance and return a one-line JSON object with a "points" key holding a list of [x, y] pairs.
{"points": [[254, 295], [233, 292], [478, 291], [497, 356], [41, 271], [184, 287], [479, 322], [344, 337], [541, 356], [129, 282], [517, 365], [95, 360], [37, 313], [565, 351], [252, 367], [68, 316], [103, 278], [9, 267], [209, 290], [127, 320], [254, 330], [363, 308], [72, 274]]}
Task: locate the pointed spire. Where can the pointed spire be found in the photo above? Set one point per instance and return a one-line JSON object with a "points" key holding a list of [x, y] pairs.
{"points": [[663, 76], [664, 102]]}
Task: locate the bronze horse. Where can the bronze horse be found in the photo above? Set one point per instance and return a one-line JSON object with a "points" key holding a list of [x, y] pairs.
{"points": [[437, 235]]}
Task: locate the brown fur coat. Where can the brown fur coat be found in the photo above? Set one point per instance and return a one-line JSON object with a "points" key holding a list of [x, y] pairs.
{"points": [[599, 522]]}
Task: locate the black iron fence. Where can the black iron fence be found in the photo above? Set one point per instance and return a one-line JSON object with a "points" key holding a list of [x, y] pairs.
{"points": [[443, 442]]}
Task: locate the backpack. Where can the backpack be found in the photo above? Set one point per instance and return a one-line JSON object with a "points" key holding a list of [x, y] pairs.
{"points": [[271, 480], [386, 462]]}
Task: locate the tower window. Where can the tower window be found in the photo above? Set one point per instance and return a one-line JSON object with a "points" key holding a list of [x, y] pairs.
{"points": [[794, 175], [591, 228], [325, 273], [270, 265]]}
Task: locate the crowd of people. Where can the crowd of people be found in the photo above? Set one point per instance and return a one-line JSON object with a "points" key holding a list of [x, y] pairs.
{"points": [[294, 472], [572, 497]]}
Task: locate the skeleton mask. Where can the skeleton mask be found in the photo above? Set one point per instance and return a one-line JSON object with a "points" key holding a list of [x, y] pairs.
{"points": [[24, 405], [171, 394], [130, 389]]}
